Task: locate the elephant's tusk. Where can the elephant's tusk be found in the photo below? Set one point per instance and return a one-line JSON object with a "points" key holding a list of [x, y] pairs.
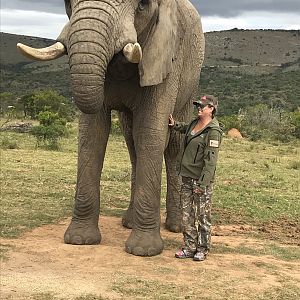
{"points": [[52, 52], [133, 53]]}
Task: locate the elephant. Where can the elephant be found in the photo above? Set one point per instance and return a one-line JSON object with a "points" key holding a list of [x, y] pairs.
{"points": [[142, 58]]}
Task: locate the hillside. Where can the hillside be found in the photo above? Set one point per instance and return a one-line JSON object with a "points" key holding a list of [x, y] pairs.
{"points": [[259, 50], [247, 66]]}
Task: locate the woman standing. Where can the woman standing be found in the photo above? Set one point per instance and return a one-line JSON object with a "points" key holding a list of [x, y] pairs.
{"points": [[198, 160]]}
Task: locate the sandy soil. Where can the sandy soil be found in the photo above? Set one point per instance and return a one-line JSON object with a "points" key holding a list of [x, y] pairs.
{"points": [[39, 263]]}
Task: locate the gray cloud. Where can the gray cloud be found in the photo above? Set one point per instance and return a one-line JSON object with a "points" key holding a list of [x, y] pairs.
{"points": [[222, 8], [50, 6], [232, 8]]}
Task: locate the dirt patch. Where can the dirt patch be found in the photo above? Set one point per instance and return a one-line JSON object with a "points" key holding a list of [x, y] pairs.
{"points": [[282, 230], [40, 263]]}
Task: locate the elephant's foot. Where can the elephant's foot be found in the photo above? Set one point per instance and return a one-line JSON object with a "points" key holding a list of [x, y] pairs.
{"points": [[144, 243], [79, 233], [173, 224], [127, 218], [173, 220]]}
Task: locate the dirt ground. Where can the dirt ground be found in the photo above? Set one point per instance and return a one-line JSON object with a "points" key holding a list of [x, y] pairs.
{"points": [[39, 263]]}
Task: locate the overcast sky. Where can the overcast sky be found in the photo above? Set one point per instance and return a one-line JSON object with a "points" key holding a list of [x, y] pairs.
{"points": [[47, 18]]}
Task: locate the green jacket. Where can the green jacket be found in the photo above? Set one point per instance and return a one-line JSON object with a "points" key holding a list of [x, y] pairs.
{"points": [[199, 153]]}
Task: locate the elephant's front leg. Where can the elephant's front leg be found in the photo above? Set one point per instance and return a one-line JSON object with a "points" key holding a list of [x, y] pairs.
{"points": [[93, 136], [145, 239], [174, 214]]}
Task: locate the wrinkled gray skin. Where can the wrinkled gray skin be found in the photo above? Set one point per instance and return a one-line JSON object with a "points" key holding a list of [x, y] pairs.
{"points": [[164, 82]]}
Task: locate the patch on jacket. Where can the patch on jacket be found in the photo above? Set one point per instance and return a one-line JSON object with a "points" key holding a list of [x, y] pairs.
{"points": [[214, 143]]}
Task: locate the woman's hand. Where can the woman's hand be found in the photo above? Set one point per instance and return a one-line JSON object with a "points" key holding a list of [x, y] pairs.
{"points": [[198, 190], [171, 121]]}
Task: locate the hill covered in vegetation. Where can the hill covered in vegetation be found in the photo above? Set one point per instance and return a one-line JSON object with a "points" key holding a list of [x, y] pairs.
{"points": [[241, 67]]}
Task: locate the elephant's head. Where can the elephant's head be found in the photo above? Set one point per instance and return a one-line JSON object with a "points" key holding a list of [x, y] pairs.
{"points": [[143, 30]]}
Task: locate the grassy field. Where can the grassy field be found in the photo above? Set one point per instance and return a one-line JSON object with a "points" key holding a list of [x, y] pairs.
{"points": [[257, 185]]}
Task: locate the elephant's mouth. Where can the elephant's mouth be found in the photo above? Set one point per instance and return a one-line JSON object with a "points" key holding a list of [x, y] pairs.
{"points": [[119, 68]]}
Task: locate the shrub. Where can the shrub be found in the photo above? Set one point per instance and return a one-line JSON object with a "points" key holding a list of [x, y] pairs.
{"points": [[51, 129], [295, 121], [260, 122], [228, 122], [115, 126], [7, 143], [295, 165], [49, 100]]}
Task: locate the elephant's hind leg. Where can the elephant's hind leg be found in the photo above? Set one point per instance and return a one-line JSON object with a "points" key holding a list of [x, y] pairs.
{"points": [[93, 136], [126, 124]]}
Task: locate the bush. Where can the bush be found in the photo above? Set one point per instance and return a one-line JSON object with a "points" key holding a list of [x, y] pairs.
{"points": [[7, 143], [115, 126], [262, 122], [48, 100], [295, 121], [51, 129], [228, 122]]}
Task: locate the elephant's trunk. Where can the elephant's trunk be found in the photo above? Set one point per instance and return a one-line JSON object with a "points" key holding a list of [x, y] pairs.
{"points": [[87, 80], [92, 36], [90, 51]]}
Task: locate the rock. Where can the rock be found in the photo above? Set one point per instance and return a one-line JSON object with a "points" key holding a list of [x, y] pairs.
{"points": [[21, 127]]}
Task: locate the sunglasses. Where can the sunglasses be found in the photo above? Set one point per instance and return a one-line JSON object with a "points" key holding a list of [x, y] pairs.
{"points": [[202, 106]]}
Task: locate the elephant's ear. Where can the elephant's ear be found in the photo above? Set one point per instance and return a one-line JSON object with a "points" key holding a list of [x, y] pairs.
{"points": [[159, 49]]}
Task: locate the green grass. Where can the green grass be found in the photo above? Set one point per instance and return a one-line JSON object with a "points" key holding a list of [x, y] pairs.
{"points": [[257, 183]]}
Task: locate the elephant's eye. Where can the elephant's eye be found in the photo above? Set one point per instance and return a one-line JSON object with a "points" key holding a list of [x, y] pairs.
{"points": [[142, 4]]}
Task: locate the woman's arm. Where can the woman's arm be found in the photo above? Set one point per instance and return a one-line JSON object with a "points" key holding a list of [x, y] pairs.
{"points": [[178, 126]]}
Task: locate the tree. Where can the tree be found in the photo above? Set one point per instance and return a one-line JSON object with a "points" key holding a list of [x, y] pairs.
{"points": [[48, 100], [28, 105]]}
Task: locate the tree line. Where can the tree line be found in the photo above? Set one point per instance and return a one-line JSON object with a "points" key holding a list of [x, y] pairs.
{"points": [[273, 120]]}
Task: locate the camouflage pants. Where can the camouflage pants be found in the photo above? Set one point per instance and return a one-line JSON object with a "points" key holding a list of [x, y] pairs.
{"points": [[196, 215]]}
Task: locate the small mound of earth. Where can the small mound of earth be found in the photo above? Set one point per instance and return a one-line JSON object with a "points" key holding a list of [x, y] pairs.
{"points": [[234, 133]]}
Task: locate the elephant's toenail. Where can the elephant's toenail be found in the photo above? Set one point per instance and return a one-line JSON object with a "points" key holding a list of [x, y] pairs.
{"points": [[139, 251], [152, 251], [77, 240], [128, 249]]}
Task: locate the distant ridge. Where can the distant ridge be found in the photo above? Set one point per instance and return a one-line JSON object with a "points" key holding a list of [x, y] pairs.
{"points": [[234, 61], [228, 47]]}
